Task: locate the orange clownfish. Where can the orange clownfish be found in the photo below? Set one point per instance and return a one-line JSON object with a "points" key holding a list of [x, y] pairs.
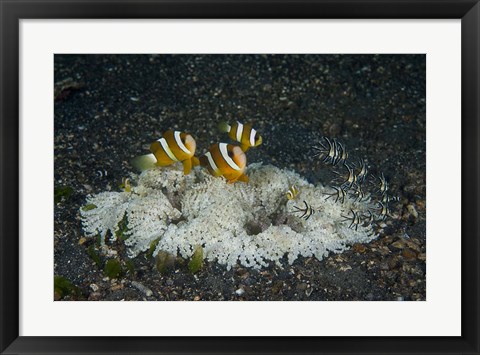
{"points": [[242, 133], [226, 160], [173, 147]]}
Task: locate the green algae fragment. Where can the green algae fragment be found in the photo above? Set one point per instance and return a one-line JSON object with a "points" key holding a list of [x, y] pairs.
{"points": [[112, 268], [120, 233], [165, 262], [62, 193], [196, 262], [153, 246], [98, 240], [92, 253], [130, 267], [89, 207], [63, 287]]}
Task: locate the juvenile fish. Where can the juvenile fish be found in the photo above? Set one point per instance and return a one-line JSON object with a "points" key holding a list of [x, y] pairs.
{"points": [[225, 160], [172, 147], [244, 134], [292, 192]]}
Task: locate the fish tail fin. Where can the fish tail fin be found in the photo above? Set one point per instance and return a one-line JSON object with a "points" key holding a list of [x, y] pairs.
{"points": [[243, 178], [144, 162], [244, 147], [203, 160], [224, 127], [187, 166], [195, 161]]}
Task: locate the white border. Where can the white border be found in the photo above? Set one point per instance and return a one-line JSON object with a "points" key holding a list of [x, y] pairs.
{"points": [[439, 315]]}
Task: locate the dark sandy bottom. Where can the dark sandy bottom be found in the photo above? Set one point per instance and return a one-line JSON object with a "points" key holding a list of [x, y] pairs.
{"points": [[109, 108]]}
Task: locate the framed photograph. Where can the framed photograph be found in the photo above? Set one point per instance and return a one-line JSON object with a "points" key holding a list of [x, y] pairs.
{"points": [[239, 177]]}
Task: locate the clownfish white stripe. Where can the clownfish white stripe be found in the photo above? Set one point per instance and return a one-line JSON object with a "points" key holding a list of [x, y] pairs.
{"points": [[167, 149], [180, 143], [239, 131], [224, 152], [252, 137], [211, 161]]}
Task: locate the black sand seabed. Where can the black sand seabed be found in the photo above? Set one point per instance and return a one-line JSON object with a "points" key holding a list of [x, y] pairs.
{"points": [[108, 109]]}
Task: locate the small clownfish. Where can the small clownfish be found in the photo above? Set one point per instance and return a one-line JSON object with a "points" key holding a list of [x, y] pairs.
{"points": [[225, 160], [292, 192], [173, 147], [125, 185], [242, 133]]}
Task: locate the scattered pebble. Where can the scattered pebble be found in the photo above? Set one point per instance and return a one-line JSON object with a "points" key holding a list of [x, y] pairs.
{"points": [[393, 262], [384, 266], [399, 244], [142, 288], [277, 287], [95, 296], [240, 291], [413, 245], [409, 254], [359, 248], [345, 268], [413, 212], [117, 287], [302, 286], [308, 291]]}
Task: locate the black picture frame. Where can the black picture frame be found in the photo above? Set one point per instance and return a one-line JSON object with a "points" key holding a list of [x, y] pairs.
{"points": [[12, 11]]}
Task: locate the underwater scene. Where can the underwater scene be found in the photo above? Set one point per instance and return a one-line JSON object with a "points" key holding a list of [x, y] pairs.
{"points": [[240, 177]]}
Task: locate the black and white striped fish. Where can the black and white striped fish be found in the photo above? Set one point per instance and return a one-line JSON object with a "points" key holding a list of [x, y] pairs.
{"points": [[332, 151]]}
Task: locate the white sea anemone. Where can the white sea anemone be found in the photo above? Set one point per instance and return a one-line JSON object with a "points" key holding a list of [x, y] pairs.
{"points": [[251, 224]]}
